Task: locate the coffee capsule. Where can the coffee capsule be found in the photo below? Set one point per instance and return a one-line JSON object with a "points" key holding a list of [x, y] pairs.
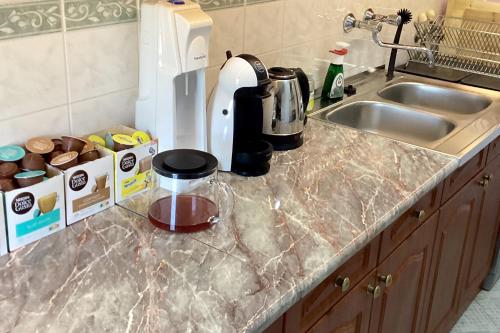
{"points": [[88, 156], [11, 153], [97, 140], [40, 145], [122, 142], [73, 143], [7, 185], [141, 137], [8, 170], [65, 161], [28, 178], [32, 162]]}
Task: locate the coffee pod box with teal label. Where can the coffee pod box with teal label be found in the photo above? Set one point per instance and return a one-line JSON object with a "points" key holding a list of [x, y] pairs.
{"points": [[133, 166], [89, 188], [3, 232], [35, 211]]}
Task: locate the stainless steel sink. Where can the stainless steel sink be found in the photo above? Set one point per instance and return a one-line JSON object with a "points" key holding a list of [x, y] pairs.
{"points": [[443, 116], [393, 121], [435, 97]]}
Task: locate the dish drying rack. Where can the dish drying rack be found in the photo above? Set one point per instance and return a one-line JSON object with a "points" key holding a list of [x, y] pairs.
{"points": [[459, 43]]}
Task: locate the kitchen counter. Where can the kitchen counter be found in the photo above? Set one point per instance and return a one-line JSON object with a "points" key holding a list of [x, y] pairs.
{"points": [[281, 235]]}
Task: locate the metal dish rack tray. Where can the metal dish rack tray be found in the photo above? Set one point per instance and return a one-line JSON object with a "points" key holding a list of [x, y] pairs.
{"points": [[463, 44]]}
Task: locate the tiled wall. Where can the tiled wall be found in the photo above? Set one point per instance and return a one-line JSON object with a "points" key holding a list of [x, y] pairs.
{"points": [[72, 65]]}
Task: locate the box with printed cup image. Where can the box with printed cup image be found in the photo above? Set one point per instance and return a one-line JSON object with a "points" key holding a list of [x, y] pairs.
{"points": [[3, 231], [35, 211], [133, 153], [89, 185]]}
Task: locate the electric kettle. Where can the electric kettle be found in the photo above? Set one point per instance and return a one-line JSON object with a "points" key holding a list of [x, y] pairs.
{"points": [[285, 118]]}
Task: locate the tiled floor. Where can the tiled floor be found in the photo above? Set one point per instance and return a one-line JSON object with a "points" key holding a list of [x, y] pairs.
{"points": [[483, 315]]}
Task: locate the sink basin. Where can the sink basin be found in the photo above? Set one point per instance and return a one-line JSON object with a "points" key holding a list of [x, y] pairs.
{"points": [[426, 95], [393, 121]]}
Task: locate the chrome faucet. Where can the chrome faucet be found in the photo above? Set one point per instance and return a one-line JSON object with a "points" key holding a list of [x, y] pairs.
{"points": [[374, 22]]}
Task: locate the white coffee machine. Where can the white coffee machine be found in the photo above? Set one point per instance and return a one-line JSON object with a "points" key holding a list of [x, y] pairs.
{"points": [[173, 56]]}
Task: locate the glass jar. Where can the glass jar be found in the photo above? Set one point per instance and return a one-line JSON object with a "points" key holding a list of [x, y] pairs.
{"points": [[186, 191]]}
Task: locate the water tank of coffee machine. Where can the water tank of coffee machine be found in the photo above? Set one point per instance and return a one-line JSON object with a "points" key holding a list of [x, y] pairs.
{"points": [[173, 57]]}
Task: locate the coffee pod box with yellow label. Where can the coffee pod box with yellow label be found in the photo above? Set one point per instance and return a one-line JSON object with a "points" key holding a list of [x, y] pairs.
{"points": [[35, 211], [133, 166], [3, 233], [89, 187]]}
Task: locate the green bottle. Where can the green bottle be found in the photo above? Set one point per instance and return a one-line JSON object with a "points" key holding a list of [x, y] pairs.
{"points": [[333, 89]]}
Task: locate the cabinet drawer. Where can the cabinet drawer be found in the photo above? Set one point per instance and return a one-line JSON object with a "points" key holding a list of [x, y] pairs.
{"points": [[315, 304], [410, 221], [494, 150], [462, 175], [352, 313]]}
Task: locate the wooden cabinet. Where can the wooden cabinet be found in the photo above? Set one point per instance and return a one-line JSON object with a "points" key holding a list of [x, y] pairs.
{"points": [[494, 150], [464, 174], [305, 313], [396, 233], [405, 276], [457, 218], [423, 271], [352, 313], [483, 236]]}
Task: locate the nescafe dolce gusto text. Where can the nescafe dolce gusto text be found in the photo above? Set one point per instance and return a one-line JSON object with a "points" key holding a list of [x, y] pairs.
{"points": [[187, 191]]}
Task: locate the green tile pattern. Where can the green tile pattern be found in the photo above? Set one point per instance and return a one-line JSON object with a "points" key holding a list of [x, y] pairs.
{"points": [[219, 4], [32, 18], [89, 13], [27, 19]]}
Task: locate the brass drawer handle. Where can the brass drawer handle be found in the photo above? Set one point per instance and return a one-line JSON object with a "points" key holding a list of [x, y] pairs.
{"points": [[375, 291], [421, 215], [485, 182], [343, 282], [385, 279]]}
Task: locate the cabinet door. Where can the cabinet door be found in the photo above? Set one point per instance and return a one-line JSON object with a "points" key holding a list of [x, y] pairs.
{"points": [[457, 217], [405, 276], [494, 150], [315, 304], [464, 174], [483, 239], [352, 313], [404, 226]]}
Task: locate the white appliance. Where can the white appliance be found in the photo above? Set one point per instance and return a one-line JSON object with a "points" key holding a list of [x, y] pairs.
{"points": [[173, 56], [235, 116]]}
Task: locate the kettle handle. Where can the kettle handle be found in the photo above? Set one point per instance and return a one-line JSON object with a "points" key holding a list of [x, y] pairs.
{"points": [[304, 86]]}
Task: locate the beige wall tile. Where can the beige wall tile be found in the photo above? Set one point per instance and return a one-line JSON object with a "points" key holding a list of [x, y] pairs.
{"points": [[102, 60], [264, 27], [105, 111], [227, 34], [211, 78], [52, 122], [303, 22], [32, 75]]}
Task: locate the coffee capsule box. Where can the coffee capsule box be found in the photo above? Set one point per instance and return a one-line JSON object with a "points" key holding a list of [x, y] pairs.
{"points": [[89, 187], [133, 166], [3, 232], [35, 211]]}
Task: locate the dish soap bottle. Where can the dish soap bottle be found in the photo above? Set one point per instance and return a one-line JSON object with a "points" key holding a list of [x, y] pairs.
{"points": [[333, 89]]}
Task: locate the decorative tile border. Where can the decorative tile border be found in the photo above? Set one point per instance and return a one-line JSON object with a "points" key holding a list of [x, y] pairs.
{"points": [[219, 4], [32, 18], [26, 19], [86, 13]]}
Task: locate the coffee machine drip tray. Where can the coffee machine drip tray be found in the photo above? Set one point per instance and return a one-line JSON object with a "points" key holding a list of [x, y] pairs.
{"points": [[285, 142], [251, 158]]}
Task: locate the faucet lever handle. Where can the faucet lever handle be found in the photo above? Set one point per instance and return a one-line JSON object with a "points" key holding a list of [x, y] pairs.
{"points": [[392, 19]]}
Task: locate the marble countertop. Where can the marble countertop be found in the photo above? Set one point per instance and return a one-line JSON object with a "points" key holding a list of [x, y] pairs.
{"points": [[281, 235]]}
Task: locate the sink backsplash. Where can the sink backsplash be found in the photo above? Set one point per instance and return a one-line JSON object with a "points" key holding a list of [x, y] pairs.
{"points": [[71, 66]]}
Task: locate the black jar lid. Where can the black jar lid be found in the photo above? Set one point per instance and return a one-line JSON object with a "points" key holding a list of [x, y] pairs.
{"points": [[184, 164]]}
